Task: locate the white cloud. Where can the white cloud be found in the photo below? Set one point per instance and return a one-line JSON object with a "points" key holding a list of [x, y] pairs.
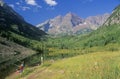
{"points": [[17, 3], [51, 2], [11, 5], [25, 8], [31, 2]]}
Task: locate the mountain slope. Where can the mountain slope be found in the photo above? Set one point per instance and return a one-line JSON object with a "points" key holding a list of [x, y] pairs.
{"points": [[18, 40], [107, 34], [10, 51], [14, 28], [72, 24], [96, 21], [115, 17], [10, 21]]}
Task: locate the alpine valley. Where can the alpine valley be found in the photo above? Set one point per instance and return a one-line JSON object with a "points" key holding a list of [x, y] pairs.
{"points": [[65, 47]]}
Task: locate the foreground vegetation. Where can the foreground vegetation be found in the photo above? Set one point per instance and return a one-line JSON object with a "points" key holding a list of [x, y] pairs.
{"points": [[98, 65]]}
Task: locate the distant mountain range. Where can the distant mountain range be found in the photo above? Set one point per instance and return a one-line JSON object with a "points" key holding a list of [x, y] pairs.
{"points": [[72, 24]]}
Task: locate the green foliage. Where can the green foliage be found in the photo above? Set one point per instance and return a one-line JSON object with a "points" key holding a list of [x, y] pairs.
{"points": [[33, 60], [26, 72], [46, 64], [98, 65], [17, 52], [106, 38], [103, 36]]}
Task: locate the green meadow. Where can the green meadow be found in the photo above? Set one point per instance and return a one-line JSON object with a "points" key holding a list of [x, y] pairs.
{"points": [[98, 65]]}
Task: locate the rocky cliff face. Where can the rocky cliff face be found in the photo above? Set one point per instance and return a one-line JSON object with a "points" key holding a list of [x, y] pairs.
{"points": [[115, 17], [72, 24], [95, 21]]}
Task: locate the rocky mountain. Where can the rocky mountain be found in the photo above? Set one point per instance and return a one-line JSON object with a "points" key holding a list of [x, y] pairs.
{"points": [[10, 21], [72, 24], [95, 21], [115, 17]]}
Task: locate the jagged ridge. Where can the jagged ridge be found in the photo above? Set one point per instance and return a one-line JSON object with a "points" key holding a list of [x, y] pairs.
{"points": [[72, 24]]}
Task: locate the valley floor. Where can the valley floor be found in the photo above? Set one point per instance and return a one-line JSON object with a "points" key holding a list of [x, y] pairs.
{"points": [[99, 65]]}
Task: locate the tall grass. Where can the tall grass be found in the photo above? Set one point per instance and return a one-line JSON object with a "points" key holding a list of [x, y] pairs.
{"points": [[99, 65]]}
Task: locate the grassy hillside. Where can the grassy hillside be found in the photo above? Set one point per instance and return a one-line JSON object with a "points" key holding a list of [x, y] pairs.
{"points": [[103, 36], [106, 38], [114, 18]]}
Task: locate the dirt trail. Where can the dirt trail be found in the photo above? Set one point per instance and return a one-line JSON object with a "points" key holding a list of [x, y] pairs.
{"points": [[32, 76], [13, 75]]}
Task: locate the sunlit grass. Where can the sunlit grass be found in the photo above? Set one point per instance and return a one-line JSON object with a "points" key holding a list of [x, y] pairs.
{"points": [[100, 65], [91, 66]]}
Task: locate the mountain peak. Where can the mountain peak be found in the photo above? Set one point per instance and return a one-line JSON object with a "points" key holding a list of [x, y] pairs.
{"points": [[71, 23], [59, 16], [70, 14], [1, 2]]}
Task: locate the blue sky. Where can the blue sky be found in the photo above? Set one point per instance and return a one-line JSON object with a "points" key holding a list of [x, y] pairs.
{"points": [[38, 11]]}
